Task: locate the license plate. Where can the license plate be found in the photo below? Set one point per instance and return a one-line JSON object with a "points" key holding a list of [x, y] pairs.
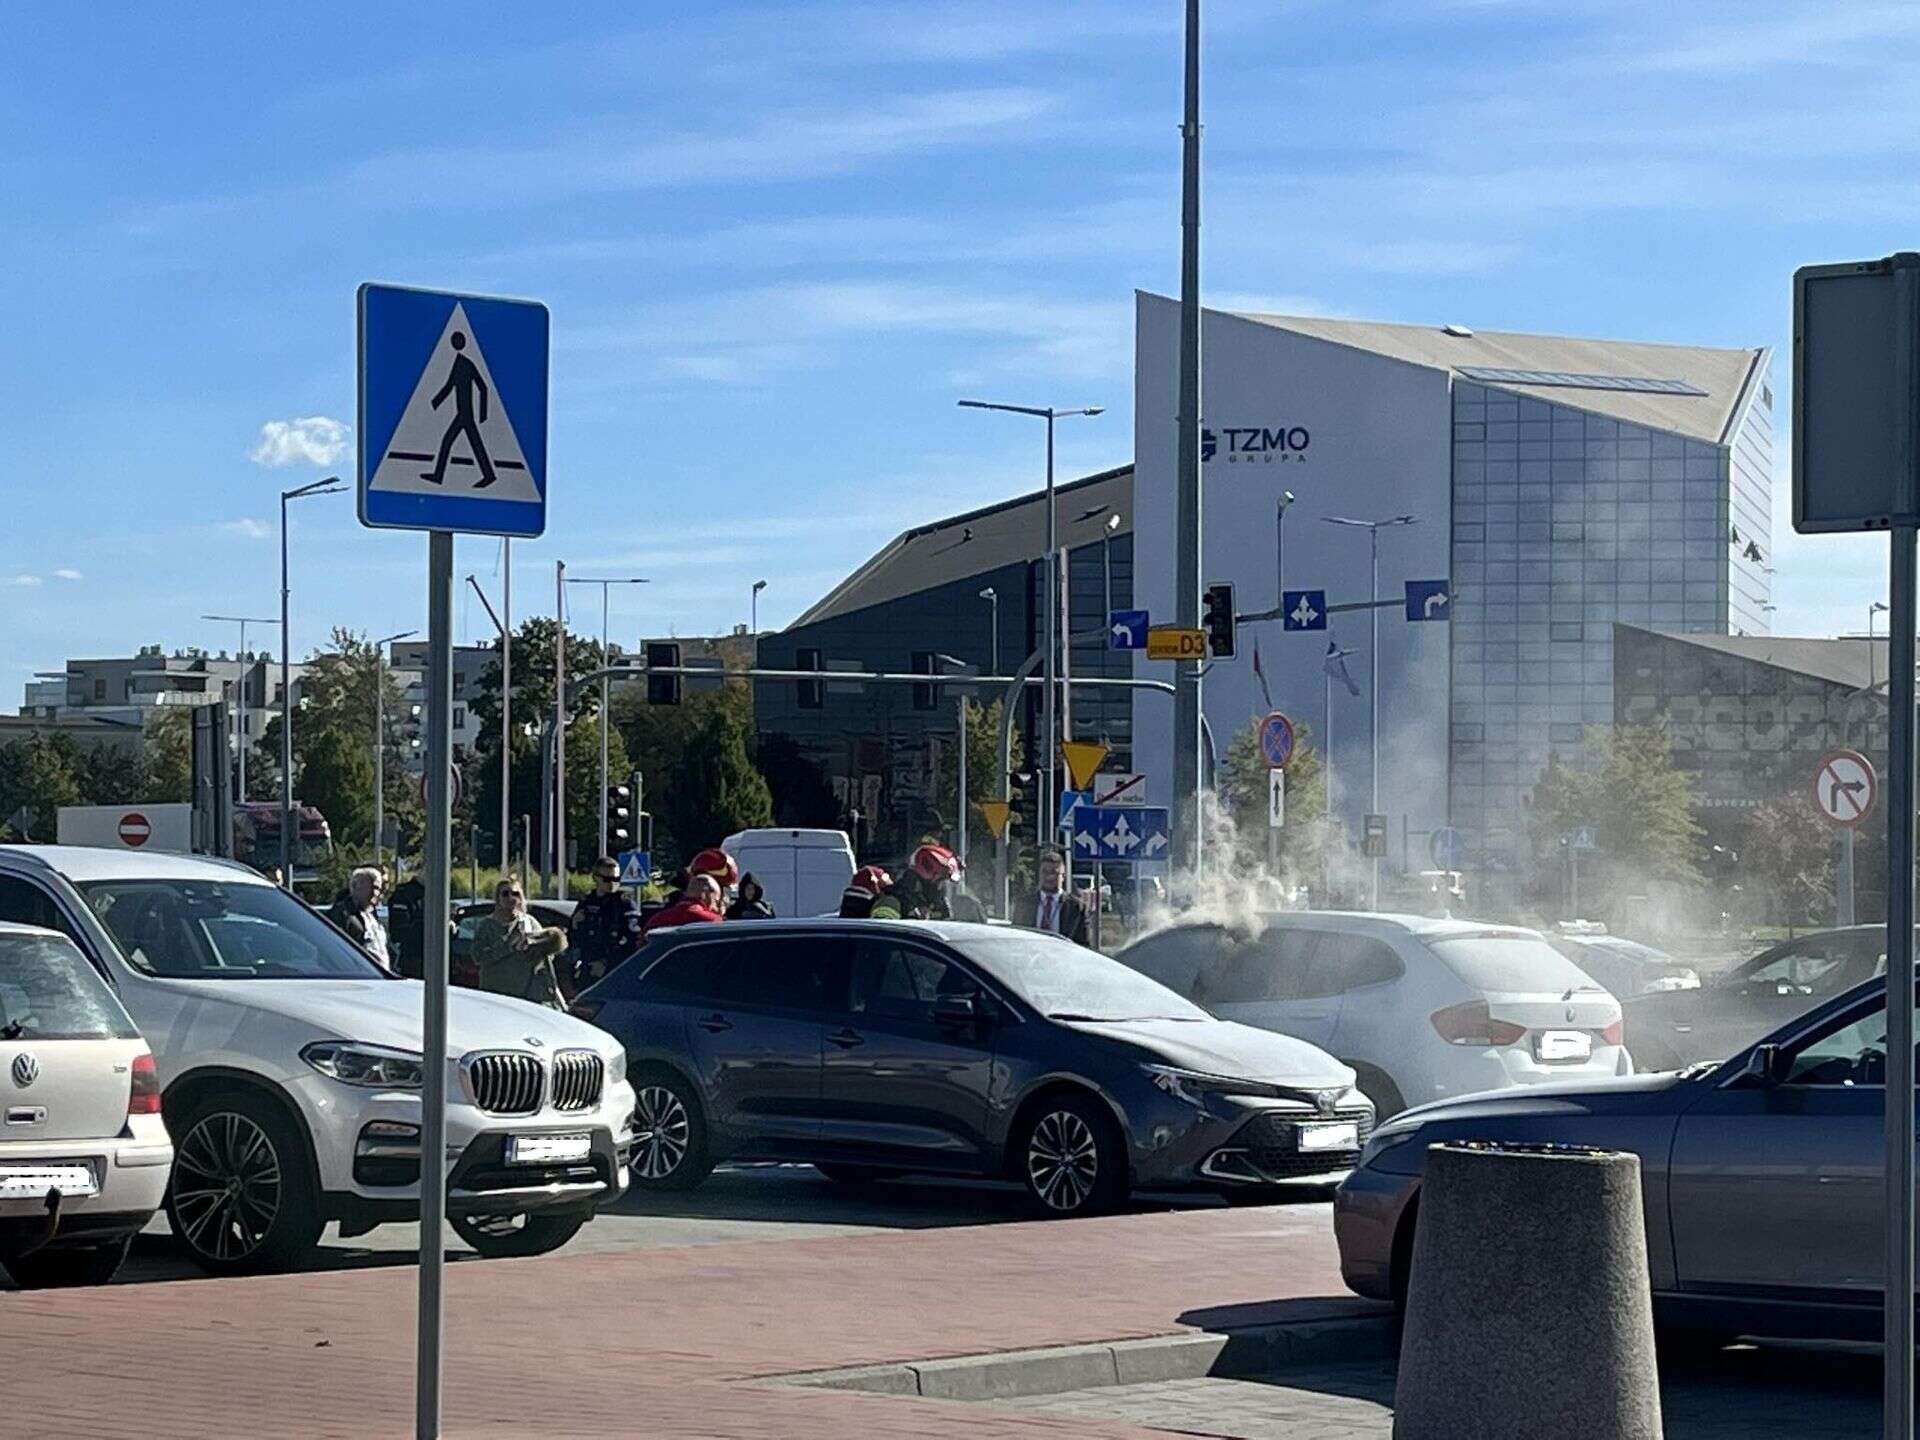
{"points": [[1343, 1135], [35, 1182], [547, 1149], [1564, 1045]]}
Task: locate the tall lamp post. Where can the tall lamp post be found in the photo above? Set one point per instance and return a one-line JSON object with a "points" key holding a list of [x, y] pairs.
{"points": [[331, 485], [1051, 647], [992, 597], [380, 738], [1280, 550], [240, 700], [753, 608], [1373, 529], [1877, 608], [606, 653]]}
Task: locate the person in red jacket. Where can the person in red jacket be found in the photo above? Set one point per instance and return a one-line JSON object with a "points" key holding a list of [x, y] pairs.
{"points": [[699, 906]]}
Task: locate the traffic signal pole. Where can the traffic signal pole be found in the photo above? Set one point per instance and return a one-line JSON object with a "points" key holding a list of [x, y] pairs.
{"points": [[1186, 595]]}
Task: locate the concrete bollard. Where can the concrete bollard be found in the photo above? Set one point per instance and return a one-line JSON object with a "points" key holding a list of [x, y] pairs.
{"points": [[1529, 1307]]}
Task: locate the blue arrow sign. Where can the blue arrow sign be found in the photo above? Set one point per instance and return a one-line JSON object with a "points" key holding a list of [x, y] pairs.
{"points": [[453, 412], [1127, 630], [1446, 846], [1303, 610], [1428, 600], [1131, 834]]}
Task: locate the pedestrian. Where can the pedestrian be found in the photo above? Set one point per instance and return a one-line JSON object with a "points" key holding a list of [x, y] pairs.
{"points": [[715, 862], [407, 927], [700, 906], [868, 884], [605, 928], [924, 891], [515, 954], [1052, 909], [751, 902], [356, 913]]}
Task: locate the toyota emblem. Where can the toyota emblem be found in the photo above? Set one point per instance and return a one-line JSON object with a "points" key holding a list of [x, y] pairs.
{"points": [[1326, 1100], [26, 1070]]}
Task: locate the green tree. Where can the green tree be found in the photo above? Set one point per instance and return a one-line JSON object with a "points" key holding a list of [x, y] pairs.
{"points": [[336, 775], [717, 788], [37, 777], [1787, 858], [168, 758], [1244, 796], [114, 775], [1639, 806]]}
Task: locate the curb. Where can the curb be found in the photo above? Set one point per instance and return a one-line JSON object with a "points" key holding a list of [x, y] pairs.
{"points": [[1193, 1355]]}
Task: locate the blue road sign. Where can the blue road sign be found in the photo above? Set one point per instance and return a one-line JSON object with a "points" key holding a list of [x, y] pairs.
{"points": [[1127, 629], [1428, 600], [636, 867], [1446, 846], [1132, 834], [1303, 610], [1070, 800], [453, 412], [1276, 740]]}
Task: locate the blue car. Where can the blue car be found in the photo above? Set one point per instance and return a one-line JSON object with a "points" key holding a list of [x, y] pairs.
{"points": [[877, 1048]]}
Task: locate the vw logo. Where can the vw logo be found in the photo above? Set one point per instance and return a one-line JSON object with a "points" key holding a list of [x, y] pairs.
{"points": [[26, 1070]]}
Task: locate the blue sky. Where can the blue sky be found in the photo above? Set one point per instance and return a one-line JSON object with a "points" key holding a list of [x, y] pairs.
{"points": [[780, 239]]}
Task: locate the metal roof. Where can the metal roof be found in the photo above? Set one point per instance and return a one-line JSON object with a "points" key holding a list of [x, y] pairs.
{"points": [[1853, 661], [1722, 378], [1009, 533]]}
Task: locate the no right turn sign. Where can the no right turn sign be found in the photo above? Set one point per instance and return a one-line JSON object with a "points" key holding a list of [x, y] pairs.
{"points": [[1844, 787]]}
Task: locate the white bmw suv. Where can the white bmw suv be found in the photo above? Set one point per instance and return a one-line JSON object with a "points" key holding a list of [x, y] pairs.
{"points": [[290, 1067]]}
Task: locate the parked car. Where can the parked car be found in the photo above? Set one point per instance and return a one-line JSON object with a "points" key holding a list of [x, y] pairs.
{"points": [[290, 1066], [1626, 967], [802, 872], [467, 916], [1422, 1009], [1735, 1008], [877, 1048], [84, 1156], [1760, 1175]]}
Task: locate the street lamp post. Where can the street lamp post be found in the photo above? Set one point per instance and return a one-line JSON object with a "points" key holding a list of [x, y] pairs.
{"points": [[753, 608], [992, 597], [380, 738], [1280, 550], [606, 659], [1050, 708], [1373, 529], [331, 485], [1877, 608], [240, 700]]}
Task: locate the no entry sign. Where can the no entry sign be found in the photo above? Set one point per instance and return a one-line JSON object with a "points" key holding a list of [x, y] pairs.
{"points": [[134, 829], [1844, 787]]}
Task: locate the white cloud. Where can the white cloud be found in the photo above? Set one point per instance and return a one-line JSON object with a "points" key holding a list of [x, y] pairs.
{"points": [[248, 528], [25, 581], [67, 572], [314, 440]]}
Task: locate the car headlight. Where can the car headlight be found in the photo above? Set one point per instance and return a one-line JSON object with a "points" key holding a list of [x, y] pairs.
{"points": [[1387, 1137], [354, 1063], [1187, 1085], [617, 1067]]}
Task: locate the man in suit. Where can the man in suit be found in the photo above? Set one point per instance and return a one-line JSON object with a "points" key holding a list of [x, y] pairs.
{"points": [[1052, 908]]}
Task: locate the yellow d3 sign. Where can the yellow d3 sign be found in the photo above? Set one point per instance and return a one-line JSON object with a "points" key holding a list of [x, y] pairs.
{"points": [[1083, 757], [996, 813], [1170, 642]]}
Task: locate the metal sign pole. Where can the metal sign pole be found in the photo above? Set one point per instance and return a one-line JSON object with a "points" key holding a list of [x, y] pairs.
{"points": [[433, 1068], [1898, 1401]]}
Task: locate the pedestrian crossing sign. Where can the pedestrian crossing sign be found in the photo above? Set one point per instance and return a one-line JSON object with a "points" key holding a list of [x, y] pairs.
{"points": [[453, 412]]}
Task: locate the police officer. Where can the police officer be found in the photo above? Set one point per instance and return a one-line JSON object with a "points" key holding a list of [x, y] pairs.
{"points": [[605, 928]]}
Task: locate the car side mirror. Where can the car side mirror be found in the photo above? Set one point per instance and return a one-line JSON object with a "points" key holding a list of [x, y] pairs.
{"points": [[1766, 1067], [959, 1011]]}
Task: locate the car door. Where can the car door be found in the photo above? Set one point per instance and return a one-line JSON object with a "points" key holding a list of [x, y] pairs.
{"points": [[1276, 981], [1778, 1188], [900, 1087], [754, 1028]]}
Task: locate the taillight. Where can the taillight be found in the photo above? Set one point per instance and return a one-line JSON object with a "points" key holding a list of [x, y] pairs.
{"points": [[1468, 1023], [144, 1096], [1615, 1033]]}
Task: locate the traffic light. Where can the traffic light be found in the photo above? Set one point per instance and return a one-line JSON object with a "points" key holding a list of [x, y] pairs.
{"points": [[1216, 618], [620, 828], [663, 689]]}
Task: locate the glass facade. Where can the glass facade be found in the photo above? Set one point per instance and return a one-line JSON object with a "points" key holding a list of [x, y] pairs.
{"points": [[1564, 522]]}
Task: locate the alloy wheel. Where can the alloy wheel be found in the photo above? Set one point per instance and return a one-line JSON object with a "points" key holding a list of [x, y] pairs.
{"points": [[226, 1186], [1063, 1160], [662, 1133]]}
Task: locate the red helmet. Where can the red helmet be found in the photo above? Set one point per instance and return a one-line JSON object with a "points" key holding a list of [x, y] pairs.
{"points": [[936, 863], [715, 862], [872, 879]]}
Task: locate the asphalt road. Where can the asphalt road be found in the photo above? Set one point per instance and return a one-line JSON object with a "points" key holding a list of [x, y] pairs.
{"points": [[736, 1204]]}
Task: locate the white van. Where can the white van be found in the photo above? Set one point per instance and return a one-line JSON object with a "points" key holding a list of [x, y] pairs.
{"points": [[802, 871]]}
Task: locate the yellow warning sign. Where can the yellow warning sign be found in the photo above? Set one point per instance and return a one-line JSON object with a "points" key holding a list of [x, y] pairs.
{"points": [[996, 813], [1083, 757]]}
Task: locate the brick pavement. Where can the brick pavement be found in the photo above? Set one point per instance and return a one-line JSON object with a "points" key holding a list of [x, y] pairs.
{"points": [[653, 1342]]}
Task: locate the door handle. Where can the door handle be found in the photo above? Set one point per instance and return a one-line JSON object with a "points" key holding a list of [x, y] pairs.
{"points": [[847, 1039], [716, 1024]]}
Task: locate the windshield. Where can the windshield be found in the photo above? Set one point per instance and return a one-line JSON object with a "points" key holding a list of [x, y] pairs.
{"points": [[49, 992], [216, 930], [1063, 981], [1510, 963]]}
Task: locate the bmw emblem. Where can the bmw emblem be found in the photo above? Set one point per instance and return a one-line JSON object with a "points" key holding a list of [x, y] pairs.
{"points": [[26, 1070], [535, 1041]]}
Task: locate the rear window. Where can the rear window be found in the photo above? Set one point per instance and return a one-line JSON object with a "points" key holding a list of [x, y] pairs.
{"points": [[49, 992], [1510, 963]]}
